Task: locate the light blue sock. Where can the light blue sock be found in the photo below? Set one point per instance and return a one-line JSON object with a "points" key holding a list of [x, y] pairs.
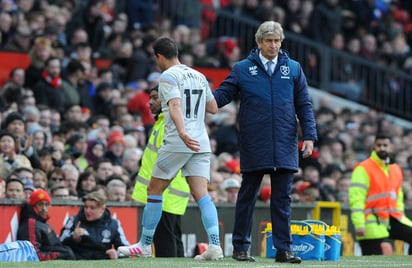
{"points": [[209, 219], [151, 216]]}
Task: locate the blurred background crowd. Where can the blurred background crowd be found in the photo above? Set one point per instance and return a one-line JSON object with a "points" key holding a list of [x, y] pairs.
{"points": [[70, 126]]}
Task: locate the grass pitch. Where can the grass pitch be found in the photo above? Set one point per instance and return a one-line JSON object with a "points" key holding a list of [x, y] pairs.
{"points": [[358, 262]]}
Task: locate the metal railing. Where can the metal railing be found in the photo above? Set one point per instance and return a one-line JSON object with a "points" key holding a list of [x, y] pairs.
{"points": [[352, 77]]}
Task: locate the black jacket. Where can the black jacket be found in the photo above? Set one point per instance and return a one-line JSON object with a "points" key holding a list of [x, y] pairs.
{"points": [[36, 230], [102, 235], [44, 93]]}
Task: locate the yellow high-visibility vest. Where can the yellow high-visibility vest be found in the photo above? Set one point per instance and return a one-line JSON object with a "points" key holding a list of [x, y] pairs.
{"points": [[176, 196]]}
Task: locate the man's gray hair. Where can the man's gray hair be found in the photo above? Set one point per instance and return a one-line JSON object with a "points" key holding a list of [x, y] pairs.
{"points": [[116, 183], [269, 27], [70, 168]]}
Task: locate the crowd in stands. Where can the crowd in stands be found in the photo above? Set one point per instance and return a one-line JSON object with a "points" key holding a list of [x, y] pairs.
{"points": [[70, 128]]}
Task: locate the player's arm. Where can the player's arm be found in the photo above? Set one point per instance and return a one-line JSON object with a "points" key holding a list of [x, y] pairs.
{"points": [[176, 115], [211, 106]]}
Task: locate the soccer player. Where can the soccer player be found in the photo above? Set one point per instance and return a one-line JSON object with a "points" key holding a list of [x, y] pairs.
{"points": [[185, 97]]}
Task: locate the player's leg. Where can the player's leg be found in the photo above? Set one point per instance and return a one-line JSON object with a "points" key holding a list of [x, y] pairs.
{"points": [[197, 173]]}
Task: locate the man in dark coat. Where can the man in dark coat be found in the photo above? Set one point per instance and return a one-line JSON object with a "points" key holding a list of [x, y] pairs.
{"points": [[48, 90], [93, 233], [34, 228]]}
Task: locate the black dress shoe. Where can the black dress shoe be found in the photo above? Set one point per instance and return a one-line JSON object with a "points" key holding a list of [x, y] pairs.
{"points": [[242, 256], [287, 257]]}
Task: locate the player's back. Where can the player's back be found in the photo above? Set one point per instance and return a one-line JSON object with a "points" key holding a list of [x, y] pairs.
{"points": [[192, 87]]}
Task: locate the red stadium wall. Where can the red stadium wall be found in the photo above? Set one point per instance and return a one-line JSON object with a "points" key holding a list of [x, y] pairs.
{"points": [[10, 60]]}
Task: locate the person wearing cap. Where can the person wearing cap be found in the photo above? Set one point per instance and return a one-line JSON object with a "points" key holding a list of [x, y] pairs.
{"points": [[15, 123], [10, 156], [115, 148], [93, 233], [274, 102], [308, 192], [33, 227], [231, 186]]}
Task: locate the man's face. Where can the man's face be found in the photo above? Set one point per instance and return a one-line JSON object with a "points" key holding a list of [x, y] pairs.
{"points": [[382, 148], [270, 46], [154, 102], [43, 208], [117, 194], [16, 127], [71, 179], [53, 68], [104, 170]]}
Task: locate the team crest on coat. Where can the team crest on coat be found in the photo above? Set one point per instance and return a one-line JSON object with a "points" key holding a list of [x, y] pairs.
{"points": [[106, 236], [253, 70], [285, 70]]}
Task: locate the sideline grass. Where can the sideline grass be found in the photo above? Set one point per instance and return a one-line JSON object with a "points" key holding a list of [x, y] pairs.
{"points": [[358, 262]]}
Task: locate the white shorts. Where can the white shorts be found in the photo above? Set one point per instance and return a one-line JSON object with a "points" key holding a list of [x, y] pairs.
{"points": [[192, 164]]}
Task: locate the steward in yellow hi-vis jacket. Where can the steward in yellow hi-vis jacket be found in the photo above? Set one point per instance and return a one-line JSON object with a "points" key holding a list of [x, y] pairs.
{"points": [[167, 239], [376, 200]]}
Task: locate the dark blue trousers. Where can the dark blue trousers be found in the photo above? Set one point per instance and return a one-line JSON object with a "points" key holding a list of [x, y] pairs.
{"points": [[280, 209]]}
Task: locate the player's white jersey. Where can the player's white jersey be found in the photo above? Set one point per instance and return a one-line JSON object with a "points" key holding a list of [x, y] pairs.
{"points": [[191, 86]]}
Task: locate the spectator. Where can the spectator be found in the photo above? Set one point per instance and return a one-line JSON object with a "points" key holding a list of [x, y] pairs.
{"points": [[326, 20], [131, 161], [77, 150], [103, 168], [15, 124], [45, 160], [20, 41], [14, 187], [39, 53], [116, 190], [227, 132], [59, 191], [16, 80], [40, 140], [95, 149], [79, 36], [308, 192], [71, 175], [231, 186], [73, 80], [40, 179], [5, 27], [115, 148], [10, 158], [139, 103], [34, 228], [142, 61], [102, 101], [86, 183], [47, 90], [92, 233], [268, 110], [56, 176]]}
